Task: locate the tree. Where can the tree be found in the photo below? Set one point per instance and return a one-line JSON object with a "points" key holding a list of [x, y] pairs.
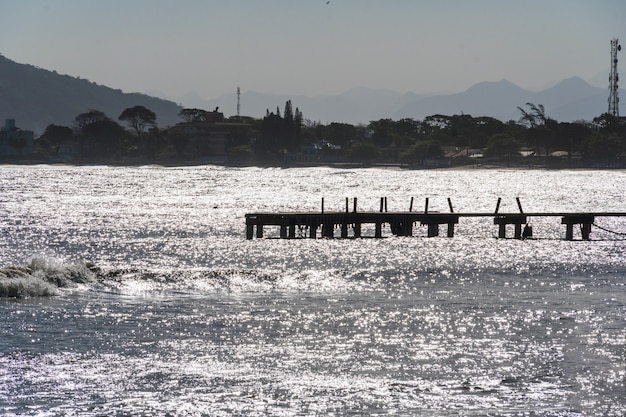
{"points": [[605, 149], [542, 128], [103, 138], [503, 146], [154, 142], [341, 134], [608, 123], [138, 118], [571, 136], [423, 149], [535, 117], [298, 120], [54, 136], [88, 117], [364, 152], [288, 114], [268, 145], [382, 132], [193, 115]]}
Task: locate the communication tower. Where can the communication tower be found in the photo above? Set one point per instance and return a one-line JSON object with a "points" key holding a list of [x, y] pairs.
{"points": [[613, 79], [238, 107]]}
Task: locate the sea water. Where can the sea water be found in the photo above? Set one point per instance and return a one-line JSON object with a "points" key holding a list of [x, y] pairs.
{"points": [[133, 291]]}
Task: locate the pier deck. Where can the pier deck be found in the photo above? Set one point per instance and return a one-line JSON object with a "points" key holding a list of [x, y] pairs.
{"points": [[307, 224]]}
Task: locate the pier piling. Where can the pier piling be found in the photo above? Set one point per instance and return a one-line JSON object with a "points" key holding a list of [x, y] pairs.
{"points": [[585, 220]]}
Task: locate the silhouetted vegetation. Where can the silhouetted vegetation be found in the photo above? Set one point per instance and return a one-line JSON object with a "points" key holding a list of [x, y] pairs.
{"points": [[438, 140], [46, 98], [138, 118]]}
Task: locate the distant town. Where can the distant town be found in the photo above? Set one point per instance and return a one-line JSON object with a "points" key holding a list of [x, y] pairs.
{"points": [[284, 138]]}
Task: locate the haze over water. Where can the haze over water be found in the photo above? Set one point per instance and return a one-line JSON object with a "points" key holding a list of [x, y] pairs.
{"points": [[184, 316]]}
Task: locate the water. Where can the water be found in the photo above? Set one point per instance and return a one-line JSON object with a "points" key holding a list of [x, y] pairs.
{"points": [[133, 291]]}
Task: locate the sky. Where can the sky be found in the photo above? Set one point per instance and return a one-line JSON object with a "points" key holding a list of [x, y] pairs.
{"points": [[313, 47]]}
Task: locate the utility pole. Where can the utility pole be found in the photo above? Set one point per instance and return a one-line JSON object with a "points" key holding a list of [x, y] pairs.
{"points": [[613, 78], [238, 107]]}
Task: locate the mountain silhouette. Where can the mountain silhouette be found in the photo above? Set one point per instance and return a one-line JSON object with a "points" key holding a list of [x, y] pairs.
{"points": [[36, 97], [572, 99]]}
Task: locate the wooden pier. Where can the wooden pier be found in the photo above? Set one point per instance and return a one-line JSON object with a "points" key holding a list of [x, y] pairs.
{"points": [[349, 224]]}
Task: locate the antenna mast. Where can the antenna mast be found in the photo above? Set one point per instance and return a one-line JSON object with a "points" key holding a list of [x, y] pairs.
{"points": [[613, 78], [238, 107]]}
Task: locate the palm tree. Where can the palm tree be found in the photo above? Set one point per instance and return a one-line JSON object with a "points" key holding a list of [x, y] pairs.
{"points": [[541, 126]]}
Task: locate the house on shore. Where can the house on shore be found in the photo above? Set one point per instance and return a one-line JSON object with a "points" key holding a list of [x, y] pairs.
{"points": [[15, 143], [208, 139], [316, 153]]}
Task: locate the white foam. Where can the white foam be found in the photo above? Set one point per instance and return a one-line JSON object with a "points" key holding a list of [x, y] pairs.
{"points": [[43, 277]]}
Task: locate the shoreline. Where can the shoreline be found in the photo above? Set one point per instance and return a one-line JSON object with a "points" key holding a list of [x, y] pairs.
{"points": [[337, 165]]}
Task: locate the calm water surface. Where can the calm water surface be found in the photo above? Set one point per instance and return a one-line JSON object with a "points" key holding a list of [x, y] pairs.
{"points": [[133, 291]]}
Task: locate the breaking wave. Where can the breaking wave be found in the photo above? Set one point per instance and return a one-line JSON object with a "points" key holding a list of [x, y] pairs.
{"points": [[132, 281], [42, 277]]}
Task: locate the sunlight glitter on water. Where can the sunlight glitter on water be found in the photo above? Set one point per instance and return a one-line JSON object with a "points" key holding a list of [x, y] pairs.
{"points": [[184, 316]]}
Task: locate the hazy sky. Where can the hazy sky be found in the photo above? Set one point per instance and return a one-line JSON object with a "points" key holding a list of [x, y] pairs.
{"points": [[311, 47]]}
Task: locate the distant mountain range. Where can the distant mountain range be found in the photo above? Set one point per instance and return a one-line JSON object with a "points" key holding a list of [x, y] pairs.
{"points": [[570, 100], [36, 97]]}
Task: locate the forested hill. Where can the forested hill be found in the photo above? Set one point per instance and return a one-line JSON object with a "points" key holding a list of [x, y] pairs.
{"points": [[37, 97]]}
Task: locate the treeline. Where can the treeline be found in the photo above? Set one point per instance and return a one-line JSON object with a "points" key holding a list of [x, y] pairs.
{"points": [[95, 136], [279, 134], [600, 141], [274, 138]]}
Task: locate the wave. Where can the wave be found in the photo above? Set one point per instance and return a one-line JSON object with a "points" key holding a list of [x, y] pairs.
{"points": [[222, 280], [42, 277]]}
